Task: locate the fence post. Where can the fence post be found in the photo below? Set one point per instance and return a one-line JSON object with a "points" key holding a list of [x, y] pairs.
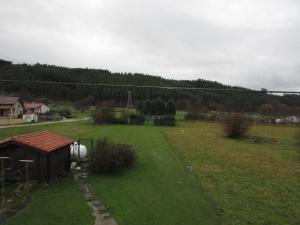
{"points": [[26, 172], [2, 177]]}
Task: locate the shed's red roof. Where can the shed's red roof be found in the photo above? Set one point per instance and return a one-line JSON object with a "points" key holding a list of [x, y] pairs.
{"points": [[45, 141]]}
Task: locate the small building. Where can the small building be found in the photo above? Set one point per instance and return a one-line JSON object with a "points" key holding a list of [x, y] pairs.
{"points": [[11, 107], [30, 117], [288, 119], [292, 119], [36, 107], [50, 154]]}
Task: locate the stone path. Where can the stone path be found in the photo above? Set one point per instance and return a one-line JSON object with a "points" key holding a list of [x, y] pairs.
{"points": [[8, 213], [102, 217]]}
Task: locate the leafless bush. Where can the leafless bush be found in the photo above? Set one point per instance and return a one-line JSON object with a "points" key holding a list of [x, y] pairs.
{"points": [[104, 113], [236, 125], [109, 158], [266, 109]]}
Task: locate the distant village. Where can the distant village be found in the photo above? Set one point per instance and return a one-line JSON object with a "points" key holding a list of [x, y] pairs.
{"points": [[17, 111], [14, 108]]}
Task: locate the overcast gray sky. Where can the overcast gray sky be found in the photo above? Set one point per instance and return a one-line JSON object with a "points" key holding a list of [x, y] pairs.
{"points": [[251, 43]]}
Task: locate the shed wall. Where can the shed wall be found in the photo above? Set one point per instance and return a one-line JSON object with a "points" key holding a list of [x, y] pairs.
{"points": [[59, 162], [15, 170], [45, 166]]}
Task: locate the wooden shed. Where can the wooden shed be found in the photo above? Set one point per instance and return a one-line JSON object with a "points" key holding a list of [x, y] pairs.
{"points": [[49, 151]]}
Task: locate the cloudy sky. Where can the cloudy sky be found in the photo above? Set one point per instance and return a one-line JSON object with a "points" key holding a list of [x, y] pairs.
{"points": [[252, 43]]}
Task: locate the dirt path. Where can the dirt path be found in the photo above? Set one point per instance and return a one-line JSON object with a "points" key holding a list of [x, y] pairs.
{"points": [[10, 212], [102, 217]]}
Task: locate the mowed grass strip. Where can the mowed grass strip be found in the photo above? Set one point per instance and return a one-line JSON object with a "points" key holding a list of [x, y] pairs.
{"points": [[251, 183], [60, 203], [72, 129], [158, 190]]}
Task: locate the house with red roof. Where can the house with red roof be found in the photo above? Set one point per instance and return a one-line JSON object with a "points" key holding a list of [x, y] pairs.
{"points": [[36, 107], [49, 152]]}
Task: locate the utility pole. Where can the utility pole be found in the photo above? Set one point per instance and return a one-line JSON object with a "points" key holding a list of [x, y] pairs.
{"points": [[129, 100], [26, 172], [3, 158]]}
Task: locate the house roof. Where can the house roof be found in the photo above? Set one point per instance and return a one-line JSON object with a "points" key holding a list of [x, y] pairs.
{"points": [[32, 105], [45, 141], [4, 100]]}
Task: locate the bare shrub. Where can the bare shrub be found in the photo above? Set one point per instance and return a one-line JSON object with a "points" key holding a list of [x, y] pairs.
{"points": [[104, 113], [266, 109], [109, 158], [236, 125]]}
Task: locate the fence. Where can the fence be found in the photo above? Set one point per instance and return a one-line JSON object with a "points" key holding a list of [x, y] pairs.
{"points": [[7, 121]]}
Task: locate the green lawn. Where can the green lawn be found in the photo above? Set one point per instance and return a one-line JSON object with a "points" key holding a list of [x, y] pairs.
{"points": [[60, 203], [251, 183], [189, 174], [180, 115], [72, 129], [158, 190]]}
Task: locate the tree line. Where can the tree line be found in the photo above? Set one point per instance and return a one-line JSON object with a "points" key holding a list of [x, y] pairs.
{"points": [[157, 107], [89, 95]]}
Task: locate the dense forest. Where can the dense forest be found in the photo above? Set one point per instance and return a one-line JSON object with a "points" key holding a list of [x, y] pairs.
{"points": [[221, 100]]}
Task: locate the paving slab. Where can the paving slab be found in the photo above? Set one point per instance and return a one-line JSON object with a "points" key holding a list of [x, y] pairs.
{"points": [[102, 217]]}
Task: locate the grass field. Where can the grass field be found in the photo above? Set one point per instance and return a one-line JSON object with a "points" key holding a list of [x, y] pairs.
{"points": [[158, 190], [251, 183], [189, 174]]}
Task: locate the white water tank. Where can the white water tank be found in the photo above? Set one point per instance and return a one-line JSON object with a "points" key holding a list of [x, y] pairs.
{"points": [[74, 151]]}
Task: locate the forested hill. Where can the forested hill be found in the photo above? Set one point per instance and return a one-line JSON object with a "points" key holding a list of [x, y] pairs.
{"points": [[238, 101]]}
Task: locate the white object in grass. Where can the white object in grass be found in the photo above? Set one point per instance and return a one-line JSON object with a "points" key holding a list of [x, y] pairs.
{"points": [[78, 151], [73, 165]]}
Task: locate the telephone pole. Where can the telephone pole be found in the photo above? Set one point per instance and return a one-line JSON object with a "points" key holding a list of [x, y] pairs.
{"points": [[26, 172]]}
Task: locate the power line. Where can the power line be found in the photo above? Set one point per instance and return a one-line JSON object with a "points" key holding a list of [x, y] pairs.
{"points": [[150, 86]]}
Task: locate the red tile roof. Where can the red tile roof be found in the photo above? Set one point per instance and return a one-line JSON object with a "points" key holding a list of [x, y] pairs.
{"points": [[32, 105], [44, 141]]}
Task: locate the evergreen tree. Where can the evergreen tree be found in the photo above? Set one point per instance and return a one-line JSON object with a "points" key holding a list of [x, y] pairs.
{"points": [[171, 108], [140, 107], [148, 107]]}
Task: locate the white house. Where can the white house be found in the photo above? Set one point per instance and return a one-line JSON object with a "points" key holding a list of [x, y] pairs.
{"points": [[292, 119], [288, 119], [35, 107]]}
